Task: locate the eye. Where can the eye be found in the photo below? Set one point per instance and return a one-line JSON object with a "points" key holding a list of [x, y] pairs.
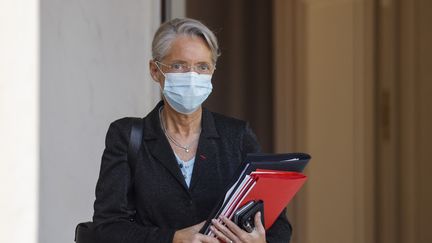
{"points": [[177, 66], [203, 67]]}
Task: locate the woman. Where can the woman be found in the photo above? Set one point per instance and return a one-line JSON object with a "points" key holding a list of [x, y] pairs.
{"points": [[188, 154]]}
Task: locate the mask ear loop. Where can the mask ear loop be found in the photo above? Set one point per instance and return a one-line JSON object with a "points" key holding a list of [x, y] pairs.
{"points": [[160, 70], [157, 65]]}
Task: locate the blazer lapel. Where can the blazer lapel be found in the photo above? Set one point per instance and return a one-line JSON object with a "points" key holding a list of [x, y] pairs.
{"points": [[205, 160], [159, 146], [206, 155], [166, 158]]}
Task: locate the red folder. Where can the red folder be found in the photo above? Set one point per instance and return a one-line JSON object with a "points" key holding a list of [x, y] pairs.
{"points": [[275, 189], [272, 178]]}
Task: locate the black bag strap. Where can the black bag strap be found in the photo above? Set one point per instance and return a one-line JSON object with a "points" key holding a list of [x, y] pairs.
{"points": [[135, 141]]}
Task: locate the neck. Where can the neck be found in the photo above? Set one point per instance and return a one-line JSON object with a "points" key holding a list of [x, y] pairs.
{"points": [[177, 123]]}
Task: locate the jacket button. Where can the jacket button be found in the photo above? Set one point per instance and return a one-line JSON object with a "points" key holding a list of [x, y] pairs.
{"points": [[190, 202]]}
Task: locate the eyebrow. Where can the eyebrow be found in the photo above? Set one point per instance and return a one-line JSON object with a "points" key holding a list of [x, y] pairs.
{"points": [[178, 61], [203, 63], [182, 61]]}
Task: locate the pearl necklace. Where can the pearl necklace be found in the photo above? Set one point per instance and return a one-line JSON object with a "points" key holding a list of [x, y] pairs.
{"points": [[185, 148]]}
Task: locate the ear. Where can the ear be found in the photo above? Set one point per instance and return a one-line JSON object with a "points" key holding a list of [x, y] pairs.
{"points": [[155, 72]]}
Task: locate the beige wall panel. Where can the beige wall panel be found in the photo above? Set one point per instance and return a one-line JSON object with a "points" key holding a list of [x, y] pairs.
{"points": [[416, 120], [285, 94], [408, 122], [425, 120], [329, 70]]}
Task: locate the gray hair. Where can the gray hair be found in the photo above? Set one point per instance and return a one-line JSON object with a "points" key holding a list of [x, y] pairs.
{"points": [[168, 31]]}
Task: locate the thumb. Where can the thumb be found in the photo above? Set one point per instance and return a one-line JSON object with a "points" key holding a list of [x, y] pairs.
{"points": [[197, 227], [258, 224]]}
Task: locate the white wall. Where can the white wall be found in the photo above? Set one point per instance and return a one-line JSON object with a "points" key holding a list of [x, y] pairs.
{"points": [[94, 69], [18, 121]]}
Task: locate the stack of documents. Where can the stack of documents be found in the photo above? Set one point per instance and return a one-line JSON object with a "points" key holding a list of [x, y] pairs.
{"points": [[271, 178]]}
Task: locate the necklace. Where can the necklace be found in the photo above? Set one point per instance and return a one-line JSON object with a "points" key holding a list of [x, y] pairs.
{"points": [[185, 148]]}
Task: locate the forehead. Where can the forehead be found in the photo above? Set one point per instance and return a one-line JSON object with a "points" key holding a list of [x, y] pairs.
{"points": [[190, 49]]}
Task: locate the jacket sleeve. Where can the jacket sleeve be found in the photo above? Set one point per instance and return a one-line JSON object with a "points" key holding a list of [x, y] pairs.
{"points": [[113, 207], [281, 229]]}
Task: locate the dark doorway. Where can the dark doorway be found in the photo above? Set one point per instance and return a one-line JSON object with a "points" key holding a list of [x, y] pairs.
{"points": [[243, 82]]}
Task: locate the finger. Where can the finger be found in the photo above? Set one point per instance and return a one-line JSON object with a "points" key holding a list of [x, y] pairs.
{"points": [[200, 225], [207, 239], [196, 228], [220, 235], [232, 226], [258, 223], [224, 230]]}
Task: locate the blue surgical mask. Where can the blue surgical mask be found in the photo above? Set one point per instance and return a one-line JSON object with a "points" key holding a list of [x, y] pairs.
{"points": [[185, 92]]}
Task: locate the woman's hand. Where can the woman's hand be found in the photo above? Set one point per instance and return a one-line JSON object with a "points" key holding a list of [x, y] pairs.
{"points": [[191, 235], [231, 233]]}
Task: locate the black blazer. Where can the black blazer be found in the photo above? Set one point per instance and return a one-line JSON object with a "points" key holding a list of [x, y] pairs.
{"points": [[150, 203]]}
